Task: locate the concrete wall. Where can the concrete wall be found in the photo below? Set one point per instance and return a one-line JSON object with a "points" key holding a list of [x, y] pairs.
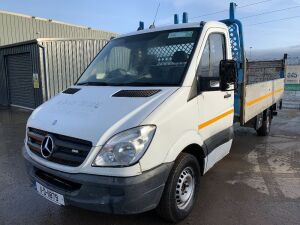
{"points": [[291, 99]]}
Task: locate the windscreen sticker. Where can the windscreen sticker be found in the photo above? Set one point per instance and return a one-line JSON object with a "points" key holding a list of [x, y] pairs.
{"points": [[181, 34], [100, 76]]}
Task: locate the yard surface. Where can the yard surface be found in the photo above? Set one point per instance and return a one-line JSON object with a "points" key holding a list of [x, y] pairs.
{"points": [[257, 183]]}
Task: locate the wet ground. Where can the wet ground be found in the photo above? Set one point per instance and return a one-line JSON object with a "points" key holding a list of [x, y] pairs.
{"points": [[258, 183]]}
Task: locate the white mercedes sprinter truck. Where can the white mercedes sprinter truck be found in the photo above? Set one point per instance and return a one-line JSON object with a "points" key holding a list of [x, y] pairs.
{"points": [[152, 113]]}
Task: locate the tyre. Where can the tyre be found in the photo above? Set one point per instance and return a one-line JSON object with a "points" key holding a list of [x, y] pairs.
{"points": [[264, 130], [181, 189]]}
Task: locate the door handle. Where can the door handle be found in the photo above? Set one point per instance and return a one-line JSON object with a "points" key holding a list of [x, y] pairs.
{"points": [[227, 96]]}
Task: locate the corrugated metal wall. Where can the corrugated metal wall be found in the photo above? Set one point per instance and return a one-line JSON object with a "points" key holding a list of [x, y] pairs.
{"points": [[58, 64], [33, 51], [18, 28], [65, 61]]}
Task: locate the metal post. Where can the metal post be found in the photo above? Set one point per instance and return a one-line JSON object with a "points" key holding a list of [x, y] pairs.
{"points": [[185, 17], [232, 10], [176, 19], [141, 25]]}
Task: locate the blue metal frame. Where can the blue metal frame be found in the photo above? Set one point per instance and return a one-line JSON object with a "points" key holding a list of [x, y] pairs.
{"points": [[237, 46]]}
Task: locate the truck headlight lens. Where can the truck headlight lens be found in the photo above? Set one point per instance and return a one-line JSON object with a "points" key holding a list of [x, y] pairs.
{"points": [[125, 148]]}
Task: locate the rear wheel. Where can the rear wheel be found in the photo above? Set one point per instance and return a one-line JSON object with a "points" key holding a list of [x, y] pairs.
{"points": [[181, 189], [264, 130]]}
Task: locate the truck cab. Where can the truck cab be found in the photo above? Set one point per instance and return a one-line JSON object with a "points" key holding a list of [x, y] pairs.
{"points": [[152, 113]]}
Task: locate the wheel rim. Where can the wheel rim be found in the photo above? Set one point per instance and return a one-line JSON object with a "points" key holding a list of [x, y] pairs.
{"points": [[268, 123], [185, 188]]}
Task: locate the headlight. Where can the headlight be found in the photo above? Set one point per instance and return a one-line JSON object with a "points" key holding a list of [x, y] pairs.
{"points": [[125, 148]]}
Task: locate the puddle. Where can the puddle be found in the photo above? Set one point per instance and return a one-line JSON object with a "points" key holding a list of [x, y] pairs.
{"points": [[274, 168]]}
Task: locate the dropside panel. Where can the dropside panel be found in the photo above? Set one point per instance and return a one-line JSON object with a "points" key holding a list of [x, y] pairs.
{"points": [[260, 96]]}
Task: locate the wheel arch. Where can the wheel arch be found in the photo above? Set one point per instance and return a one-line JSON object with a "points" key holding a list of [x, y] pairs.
{"points": [[191, 142], [199, 153]]}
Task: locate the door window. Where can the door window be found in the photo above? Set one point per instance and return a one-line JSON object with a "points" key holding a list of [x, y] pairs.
{"points": [[209, 66]]}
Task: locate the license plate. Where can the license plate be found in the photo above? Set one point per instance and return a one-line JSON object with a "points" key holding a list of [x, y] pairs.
{"points": [[50, 195]]}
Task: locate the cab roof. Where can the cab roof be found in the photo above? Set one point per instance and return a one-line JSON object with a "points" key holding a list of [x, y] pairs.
{"points": [[176, 26]]}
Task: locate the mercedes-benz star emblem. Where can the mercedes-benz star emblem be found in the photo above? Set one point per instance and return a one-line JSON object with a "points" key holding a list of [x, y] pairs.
{"points": [[47, 147]]}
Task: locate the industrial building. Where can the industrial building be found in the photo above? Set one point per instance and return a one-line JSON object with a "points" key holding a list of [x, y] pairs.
{"points": [[40, 58], [34, 71], [17, 28]]}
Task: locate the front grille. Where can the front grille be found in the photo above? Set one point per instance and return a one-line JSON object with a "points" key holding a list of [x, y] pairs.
{"points": [[69, 151], [58, 182]]}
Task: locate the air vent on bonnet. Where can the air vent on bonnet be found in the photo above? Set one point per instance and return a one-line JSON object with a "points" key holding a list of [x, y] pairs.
{"points": [[71, 91], [135, 93]]}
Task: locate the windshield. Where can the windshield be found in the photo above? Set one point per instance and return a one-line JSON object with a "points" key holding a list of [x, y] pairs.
{"points": [[151, 59]]}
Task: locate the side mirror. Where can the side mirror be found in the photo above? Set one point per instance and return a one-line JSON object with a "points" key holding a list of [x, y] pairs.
{"points": [[228, 73]]}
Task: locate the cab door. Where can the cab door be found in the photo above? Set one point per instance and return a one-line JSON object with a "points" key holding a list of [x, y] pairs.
{"points": [[215, 106]]}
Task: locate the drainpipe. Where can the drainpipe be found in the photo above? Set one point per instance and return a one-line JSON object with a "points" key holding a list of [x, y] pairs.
{"points": [[47, 82]]}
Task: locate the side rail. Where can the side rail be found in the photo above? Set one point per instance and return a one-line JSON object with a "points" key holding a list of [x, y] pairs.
{"points": [[260, 71], [260, 96]]}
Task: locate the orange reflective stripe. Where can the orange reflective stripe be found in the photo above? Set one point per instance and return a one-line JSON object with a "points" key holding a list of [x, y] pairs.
{"points": [[205, 124], [252, 102]]}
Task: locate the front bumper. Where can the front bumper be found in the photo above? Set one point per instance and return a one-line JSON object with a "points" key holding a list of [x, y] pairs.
{"points": [[119, 195]]}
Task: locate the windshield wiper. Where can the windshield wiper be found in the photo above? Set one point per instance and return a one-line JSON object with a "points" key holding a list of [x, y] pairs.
{"points": [[140, 84], [90, 83], [145, 84]]}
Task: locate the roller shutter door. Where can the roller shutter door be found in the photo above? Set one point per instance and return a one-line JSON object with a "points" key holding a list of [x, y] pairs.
{"points": [[19, 71]]}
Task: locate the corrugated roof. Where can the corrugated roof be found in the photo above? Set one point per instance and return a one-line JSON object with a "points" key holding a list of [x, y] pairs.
{"points": [[49, 20]]}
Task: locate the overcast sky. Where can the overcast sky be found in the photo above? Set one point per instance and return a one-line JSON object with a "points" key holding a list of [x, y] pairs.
{"points": [[123, 15]]}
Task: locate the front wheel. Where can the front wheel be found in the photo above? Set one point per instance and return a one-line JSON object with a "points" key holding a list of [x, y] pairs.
{"points": [[181, 189]]}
